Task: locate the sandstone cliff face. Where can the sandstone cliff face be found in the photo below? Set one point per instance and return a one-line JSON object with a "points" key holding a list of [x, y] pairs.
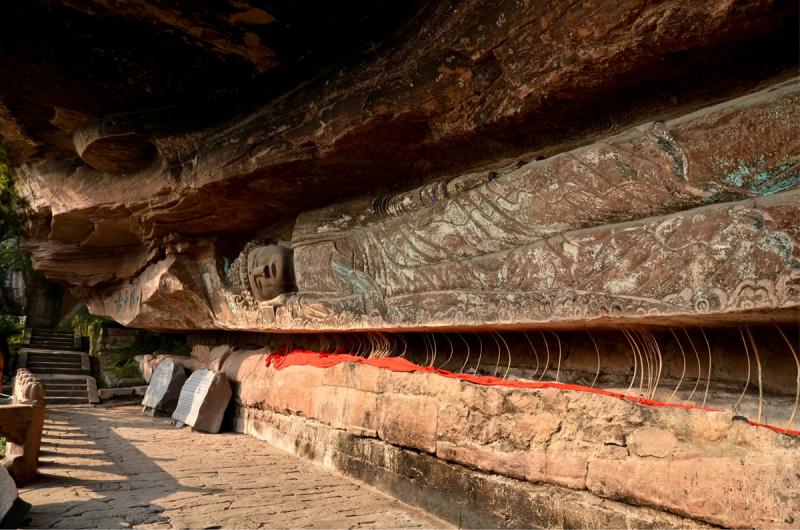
{"points": [[451, 89], [445, 166]]}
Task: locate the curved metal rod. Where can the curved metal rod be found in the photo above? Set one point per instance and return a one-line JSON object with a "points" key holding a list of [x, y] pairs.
{"points": [[747, 383], [377, 350], [558, 366], [536, 355], [708, 376], [427, 352], [683, 373], [480, 352], [380, 345], [388, 344], [466, 343], [635, 360], [699, 368], [494, 335], [370, 344], [508, 351], [547, 360], [652, 348], [508, 354], [758, 372], [646, 353], [433, 342], [405, 344], [452, 351], [797, 362], [645, 363], [597, 351], [660, 362], [640, 355]]}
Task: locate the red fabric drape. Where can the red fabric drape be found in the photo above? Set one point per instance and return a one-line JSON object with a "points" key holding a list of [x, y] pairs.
{"points": [[300, 357]]}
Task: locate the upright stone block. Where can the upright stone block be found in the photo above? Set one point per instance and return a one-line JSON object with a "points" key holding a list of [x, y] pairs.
{"points": [[203, 400], [165, 388]]}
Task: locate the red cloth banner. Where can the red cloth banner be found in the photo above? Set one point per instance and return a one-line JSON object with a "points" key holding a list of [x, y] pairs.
{"points": [[300, 357]]}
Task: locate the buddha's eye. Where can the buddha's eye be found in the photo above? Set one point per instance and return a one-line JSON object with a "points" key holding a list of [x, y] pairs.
{"points": [[274, 274]]}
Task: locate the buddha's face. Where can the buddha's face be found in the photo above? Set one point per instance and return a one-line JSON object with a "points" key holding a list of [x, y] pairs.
{"points": [[269, 271]]}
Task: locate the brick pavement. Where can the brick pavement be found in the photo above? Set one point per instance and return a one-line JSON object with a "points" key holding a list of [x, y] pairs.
{"points": [[117, 468]]}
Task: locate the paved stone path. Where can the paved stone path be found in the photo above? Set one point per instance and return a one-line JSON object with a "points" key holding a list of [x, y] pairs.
{"points": [[118, 468]]}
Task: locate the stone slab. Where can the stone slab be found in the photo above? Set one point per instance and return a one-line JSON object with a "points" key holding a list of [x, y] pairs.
{"points": [[203, 400], [165, 387], [8, 492]]}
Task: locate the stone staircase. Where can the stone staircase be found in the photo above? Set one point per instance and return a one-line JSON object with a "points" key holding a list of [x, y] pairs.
{"points": [[65, 371], [52, 338]]}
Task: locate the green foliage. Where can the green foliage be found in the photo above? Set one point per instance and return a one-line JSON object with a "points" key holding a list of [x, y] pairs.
{"points": [[2, 446], [128, 369], [168, 344], [88, 325], [12, 328], [12, 205], [12, 209]]}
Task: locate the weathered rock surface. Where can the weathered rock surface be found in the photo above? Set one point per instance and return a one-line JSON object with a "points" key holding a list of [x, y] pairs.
{"points": [[701, 465], [687, 221], [435, 166], [451, 89]]}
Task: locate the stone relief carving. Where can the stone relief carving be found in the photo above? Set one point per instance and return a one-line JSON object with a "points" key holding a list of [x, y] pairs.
{"points": [[713, 259], [679, 219]]}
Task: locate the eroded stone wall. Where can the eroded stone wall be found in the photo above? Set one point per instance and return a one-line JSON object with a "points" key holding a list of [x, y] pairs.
{"points": [[576, 458]]}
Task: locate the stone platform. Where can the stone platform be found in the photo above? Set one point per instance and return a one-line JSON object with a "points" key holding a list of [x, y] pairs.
{"points": [[117, 468]]}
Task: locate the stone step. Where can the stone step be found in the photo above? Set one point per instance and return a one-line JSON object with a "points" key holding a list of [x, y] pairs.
{"points": [[66, 400], [54, 364], [52, 336], [56, 354], [40, 335], [63, 371], [40, 332], [60, 392], [46, 350], [58, 387], [66, 345], [52, 346]]}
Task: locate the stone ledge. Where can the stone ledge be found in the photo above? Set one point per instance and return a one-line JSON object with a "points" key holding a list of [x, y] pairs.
{"points": [[460, 495], [572, 440]]}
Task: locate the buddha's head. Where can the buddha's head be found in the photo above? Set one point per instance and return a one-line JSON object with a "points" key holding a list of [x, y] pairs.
{"points": [[269, 271]]}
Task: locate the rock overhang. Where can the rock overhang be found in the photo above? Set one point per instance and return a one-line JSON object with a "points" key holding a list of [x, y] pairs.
{"points": [[443, 94]]}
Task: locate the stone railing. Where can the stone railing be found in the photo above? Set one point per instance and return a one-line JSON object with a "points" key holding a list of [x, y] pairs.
{"points": [[21, 423]]}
